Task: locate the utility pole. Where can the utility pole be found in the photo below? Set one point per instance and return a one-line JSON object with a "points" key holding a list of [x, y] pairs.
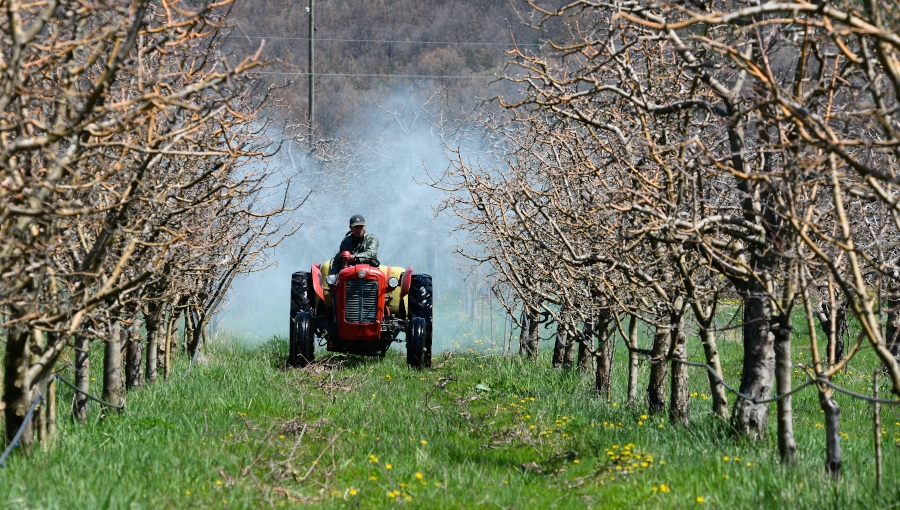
{"points": [[312, 84]]}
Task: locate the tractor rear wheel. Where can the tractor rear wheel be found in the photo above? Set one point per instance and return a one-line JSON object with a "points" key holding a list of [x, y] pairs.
{"points": [[302, 342], [421, 305], [415, 344]]}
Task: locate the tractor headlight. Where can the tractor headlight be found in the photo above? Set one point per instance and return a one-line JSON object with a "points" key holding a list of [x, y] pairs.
{"points": [[361, 273], [331, 279], [393, 282]]}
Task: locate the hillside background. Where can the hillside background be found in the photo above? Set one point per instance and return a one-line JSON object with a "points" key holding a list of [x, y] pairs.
{"points": [[461, 41]]}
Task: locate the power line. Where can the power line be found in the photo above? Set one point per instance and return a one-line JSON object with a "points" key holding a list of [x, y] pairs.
{"points": [[318, 39], [358, 12], [433, 76]]}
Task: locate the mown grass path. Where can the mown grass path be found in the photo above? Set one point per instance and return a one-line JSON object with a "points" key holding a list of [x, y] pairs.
{"points": [[477, 431]]}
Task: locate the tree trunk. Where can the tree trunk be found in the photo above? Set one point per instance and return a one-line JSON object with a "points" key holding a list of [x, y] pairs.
{"points": [[134, 356], [503, 347], [17, 390], [82, 377], [490, 319], [192, 335], [559, 348], [113, 387], [656, 389], [711, 352], [604, 358], [532, 337], [782, 334], [892, 328], [40, 418], [196, 344], [51, 410], [171, 335], [680, 396], [586, 343], [481, 321], [569, 353], [834, 325], [841, 327], [633, 360], [603, 367], [187, 338], [523, 333], [152, 321], [833, 459], [758, 373]]}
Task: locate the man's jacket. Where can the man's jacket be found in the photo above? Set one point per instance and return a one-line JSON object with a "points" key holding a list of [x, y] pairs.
{"points": [[365, 250]]}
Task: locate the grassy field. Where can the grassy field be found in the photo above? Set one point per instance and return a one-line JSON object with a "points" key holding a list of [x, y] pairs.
{"points": [[477, 431]]}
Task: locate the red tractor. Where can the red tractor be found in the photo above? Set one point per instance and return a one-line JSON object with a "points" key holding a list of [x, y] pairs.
{"points": [[360, 310]]}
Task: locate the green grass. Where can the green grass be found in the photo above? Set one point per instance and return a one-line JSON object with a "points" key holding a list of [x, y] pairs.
{"points": [[482, 431]]}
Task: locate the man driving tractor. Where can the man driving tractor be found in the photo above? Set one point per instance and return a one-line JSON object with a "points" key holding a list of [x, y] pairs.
{"points": [[363, 247]]}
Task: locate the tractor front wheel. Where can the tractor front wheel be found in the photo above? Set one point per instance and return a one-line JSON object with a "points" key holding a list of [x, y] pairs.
{"points": [[302, 341]]}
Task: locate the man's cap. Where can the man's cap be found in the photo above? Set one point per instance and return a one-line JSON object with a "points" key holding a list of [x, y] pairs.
{"points": [[357, 220]]}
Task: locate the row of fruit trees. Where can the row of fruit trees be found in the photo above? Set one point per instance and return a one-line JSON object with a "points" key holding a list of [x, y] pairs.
{"points": [[665, 160], [135, 185]]}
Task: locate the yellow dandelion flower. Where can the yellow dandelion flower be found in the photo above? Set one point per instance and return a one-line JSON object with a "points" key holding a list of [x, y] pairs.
{"points": [[418, 476], [663, 487], [352, 492], [388, 466], [700, 499], [219, 482], [726, 459]]}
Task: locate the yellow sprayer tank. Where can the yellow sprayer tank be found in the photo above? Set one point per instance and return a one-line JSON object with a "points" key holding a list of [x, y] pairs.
{"points": [[389, 271]]}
